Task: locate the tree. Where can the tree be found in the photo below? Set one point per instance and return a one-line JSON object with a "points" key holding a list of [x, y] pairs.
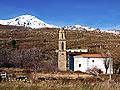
{"points": [[13, 43], [26, 58], [3, 57], [107, 61], [106, 64], [116, 58]]}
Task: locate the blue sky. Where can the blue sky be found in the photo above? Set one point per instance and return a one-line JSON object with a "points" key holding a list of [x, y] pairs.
{"points": [[97, 13]]}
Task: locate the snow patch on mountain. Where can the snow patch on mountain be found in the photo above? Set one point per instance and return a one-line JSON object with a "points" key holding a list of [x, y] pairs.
{"points": [[111, 31], [79, 27], [27, 21]]}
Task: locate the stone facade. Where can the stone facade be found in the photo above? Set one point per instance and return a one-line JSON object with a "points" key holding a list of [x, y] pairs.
{"points": [[62, 63]]}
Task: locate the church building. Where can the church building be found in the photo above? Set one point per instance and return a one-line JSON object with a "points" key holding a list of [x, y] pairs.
{"points": [[83, 60]]}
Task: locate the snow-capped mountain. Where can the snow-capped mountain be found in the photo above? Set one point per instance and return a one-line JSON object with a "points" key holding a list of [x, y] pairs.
{"points": [[79, 27], [111, 31], [27, 21], [33, 22]]}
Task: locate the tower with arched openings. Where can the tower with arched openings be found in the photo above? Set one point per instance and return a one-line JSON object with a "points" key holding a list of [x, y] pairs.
{"points": [[62, 63]]}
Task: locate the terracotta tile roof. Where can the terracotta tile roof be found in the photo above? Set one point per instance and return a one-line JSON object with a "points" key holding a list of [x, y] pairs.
{"points": [[94, 55]]}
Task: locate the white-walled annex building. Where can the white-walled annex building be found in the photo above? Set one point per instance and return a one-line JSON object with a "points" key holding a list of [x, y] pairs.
{"points": [[85, 62]]}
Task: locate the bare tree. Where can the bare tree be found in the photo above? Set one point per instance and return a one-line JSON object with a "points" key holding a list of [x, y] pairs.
{"points": [[106, 64]]}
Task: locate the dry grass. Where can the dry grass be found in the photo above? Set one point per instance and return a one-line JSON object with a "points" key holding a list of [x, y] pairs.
{"points": [[60, 85], [65, 82]]}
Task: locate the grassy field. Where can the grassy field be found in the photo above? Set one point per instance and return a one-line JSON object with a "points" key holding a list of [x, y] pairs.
{"points": [[64, 83], [60, 85]]}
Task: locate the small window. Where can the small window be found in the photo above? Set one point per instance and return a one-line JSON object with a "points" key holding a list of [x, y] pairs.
{"points": [[79, 65], [93, 61], [62, 46], [62, 53], [62, 36]]}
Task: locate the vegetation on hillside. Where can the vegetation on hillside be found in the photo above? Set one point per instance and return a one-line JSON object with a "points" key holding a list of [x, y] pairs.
{"points": [[35, 49]]}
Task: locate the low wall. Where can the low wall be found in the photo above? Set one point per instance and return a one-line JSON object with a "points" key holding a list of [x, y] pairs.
{"points": [[63, 75]]}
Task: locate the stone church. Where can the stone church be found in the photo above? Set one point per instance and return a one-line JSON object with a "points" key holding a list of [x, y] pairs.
{"points": [[82, 61]]}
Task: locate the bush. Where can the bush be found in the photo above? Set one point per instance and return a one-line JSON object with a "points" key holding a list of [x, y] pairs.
{"points": [[95, 71]]}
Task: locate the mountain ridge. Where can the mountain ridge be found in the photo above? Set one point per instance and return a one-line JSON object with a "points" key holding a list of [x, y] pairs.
{"points": [[35, 23], [81, 27]]}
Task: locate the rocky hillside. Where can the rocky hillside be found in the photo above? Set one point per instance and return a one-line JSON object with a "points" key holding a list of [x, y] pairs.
{"points": [[21, 47]]}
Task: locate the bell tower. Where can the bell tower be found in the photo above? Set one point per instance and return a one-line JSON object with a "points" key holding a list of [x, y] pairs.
{"points": [[62, 63]]}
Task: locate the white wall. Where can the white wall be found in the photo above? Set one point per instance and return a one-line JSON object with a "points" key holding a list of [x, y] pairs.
{"points": [[87, 63]]}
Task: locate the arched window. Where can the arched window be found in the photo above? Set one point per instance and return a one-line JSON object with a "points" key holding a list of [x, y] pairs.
{"points": [[62, 46], [62, 36]]}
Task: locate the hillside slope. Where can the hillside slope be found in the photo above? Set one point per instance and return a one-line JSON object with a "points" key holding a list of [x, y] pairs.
{"points": [[40, 45]]}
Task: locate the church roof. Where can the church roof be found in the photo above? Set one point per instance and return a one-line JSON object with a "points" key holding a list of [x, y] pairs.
{"points": [[93, 55]]}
